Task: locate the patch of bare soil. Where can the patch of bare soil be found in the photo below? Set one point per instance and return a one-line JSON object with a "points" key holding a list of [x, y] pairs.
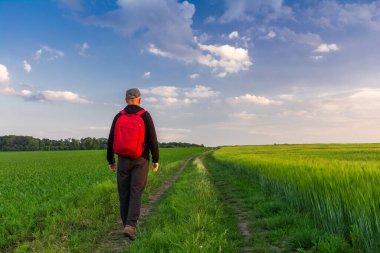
{"points": [[116, 241]]}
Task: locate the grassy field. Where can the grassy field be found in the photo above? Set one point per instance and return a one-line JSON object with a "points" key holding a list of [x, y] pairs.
{"points": [[337, 185], [64, 201], [294, 198], [274, 225]]}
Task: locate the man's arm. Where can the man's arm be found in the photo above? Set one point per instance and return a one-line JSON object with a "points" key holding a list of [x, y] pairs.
{"points": [[152, 138], [110, 153]]}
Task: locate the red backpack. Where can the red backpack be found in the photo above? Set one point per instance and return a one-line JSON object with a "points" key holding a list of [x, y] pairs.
{"points": [[129, 135]]}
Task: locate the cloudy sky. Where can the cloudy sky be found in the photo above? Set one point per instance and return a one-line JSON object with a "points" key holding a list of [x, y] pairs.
{"points": [[217, 72]]}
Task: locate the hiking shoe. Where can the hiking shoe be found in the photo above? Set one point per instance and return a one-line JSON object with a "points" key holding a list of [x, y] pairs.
{"points": [[130, 231]]}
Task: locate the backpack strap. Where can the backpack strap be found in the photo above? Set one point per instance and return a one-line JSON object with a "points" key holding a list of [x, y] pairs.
{"points": [[140, 112], [122, 112]]}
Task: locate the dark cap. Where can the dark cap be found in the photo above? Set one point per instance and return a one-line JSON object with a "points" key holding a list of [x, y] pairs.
{"points": [[133, 93]]}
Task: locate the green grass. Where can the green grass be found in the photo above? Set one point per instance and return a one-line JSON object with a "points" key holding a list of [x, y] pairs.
{"points": [[274, 225], [190, 218], [64, 201], [336, 185], [298, 198]]}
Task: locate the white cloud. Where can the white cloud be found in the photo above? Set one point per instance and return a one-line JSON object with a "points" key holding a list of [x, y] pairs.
{"points": [[52, 53], [154, 50], [365, 102], [245, 41], [289, 97], [366, 93], [210, 19], [4, 80], [27, 66], [270, 35], [188, 101], [310, 39], [286, 35], [173, 101], [25, 93], [344, 105], [166, 25], [194, 76], [201, 91], [326, 48], [316, 57], [4, 74], [332, 14], [233, 35], [248, 10], [244, 116], [171, 95], [202, 38], [163, 91], [47, 95], [151, 99], [146, 75], [253, 99], [225, 58], [62, 96], [170, 101], [37, 54], [67, 96], [168, 33], [83, 48], [222, 74]]}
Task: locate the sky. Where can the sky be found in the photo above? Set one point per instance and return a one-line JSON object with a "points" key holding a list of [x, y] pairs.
{"points": [[216, 72]]}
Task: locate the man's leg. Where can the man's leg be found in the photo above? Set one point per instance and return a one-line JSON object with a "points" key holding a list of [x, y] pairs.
{"points": [[124, 167], [139, 175]]}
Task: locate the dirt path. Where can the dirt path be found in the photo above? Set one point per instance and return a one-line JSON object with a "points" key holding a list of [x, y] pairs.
{"points": [[241, 214], [116, 241]]}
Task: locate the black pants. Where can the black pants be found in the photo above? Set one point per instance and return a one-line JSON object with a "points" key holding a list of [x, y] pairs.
{"points": [[131, 181]]}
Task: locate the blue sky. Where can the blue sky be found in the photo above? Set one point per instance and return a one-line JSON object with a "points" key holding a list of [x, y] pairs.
{"points": [[213, 72]]}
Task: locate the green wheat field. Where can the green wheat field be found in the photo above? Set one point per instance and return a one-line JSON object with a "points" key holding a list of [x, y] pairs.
{"points": [[293, 198]]}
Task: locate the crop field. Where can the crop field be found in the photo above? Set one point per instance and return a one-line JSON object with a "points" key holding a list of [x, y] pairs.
{"points": [[63, 201], [338, 185], [279, 198]]}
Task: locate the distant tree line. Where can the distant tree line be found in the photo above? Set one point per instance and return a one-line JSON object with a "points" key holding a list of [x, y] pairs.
{"points": [[29, 143], [179, 145]]}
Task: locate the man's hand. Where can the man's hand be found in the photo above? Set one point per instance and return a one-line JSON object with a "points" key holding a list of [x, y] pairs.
{"points": [[112, 167], [155, 167]]}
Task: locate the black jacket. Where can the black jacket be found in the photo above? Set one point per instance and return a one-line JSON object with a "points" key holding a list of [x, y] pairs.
{"points": [[150, 142]]}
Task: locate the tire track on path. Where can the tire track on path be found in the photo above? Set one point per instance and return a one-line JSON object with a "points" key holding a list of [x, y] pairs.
{"points": [[234, 204], [116, 241]]}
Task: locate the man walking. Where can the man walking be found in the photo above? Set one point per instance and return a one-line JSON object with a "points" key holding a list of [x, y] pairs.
{"points": [[132, 136]]}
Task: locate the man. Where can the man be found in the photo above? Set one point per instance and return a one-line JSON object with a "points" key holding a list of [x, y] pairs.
{"points": [[132, 172]]}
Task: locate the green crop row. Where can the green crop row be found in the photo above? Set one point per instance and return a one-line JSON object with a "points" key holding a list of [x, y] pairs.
{"points": [[338, 184], [63, 200], [274, 225]]}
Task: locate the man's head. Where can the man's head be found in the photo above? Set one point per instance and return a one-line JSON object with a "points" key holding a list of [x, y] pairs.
{"points": [[133, 96]]}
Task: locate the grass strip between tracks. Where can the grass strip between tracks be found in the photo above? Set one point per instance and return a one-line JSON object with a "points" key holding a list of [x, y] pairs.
{"points": [[190, 218]]}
